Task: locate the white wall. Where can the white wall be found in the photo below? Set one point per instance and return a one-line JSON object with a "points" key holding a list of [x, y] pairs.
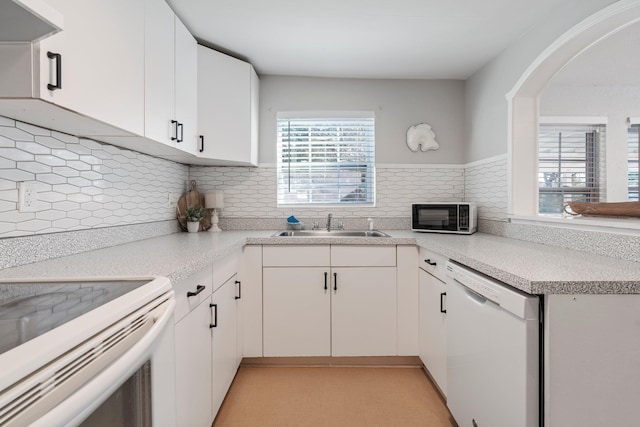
{"points": [[398, 104], [486, 105]]}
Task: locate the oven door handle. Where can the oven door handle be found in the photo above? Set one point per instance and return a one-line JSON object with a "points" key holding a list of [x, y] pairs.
{"points": [[83, 399]]}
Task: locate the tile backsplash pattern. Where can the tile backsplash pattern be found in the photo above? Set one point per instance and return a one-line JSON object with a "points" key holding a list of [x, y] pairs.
{"points": [[81, 183], [485, 183], [251, 192]]}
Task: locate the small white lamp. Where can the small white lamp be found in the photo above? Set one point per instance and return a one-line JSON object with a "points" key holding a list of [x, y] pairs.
{"points": [[214, 201]]}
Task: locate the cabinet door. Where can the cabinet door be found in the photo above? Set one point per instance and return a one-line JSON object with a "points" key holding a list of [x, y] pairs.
{"points": [[223, 340], [186, 87], [102, 48], [296, 307], [225, 107], [363, 311], [193, 368], [159, 83], [433, 340]]}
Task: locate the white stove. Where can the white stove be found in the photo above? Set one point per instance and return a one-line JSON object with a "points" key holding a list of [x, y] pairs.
{"points": [[67, 347]]}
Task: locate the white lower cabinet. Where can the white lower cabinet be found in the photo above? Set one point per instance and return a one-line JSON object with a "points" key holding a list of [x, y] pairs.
{"points": [[193, 368], [311, 308], [363, 311], [224, 339], [193, 349], [208, 340], [297, 311], [433, 340], [432, 315]]}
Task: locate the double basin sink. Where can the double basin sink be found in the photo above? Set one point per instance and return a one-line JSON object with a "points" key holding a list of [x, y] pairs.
{"points": [[332, 233]]}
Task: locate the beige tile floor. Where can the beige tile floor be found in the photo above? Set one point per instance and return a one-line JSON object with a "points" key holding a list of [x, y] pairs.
{"points": [[273, 396]]}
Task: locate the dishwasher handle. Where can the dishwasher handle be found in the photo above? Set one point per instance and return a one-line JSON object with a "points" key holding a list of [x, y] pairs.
{"points": [[479, 299]]}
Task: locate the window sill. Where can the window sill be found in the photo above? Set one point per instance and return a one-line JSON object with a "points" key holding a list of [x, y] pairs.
{"points": [[629, 226]]}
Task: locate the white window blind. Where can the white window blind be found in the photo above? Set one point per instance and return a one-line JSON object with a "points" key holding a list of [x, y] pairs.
{"points": [[326, 159], [633, 141], [570, 165]]}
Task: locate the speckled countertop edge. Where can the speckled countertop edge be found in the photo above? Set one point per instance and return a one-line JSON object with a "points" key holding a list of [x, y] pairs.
{"points": [[531, 267]]}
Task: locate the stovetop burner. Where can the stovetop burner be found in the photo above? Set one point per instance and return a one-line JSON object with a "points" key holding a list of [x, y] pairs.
{"points": [[28, 310]]}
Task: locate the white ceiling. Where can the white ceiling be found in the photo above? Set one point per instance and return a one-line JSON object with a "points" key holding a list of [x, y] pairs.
{"points": [[405, 39]]}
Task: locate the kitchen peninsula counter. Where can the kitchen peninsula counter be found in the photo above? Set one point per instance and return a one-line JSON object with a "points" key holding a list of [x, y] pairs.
{"points": [[531, 267]]}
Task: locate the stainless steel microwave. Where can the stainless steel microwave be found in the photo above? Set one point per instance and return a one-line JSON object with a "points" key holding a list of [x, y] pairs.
{"points": [[444, 217]]}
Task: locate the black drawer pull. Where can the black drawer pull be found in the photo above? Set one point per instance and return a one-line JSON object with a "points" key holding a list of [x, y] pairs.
{"points": [[58, 59], [325, 280], [239, 283], [335, 282], [201, 144], [428, 261], [215, 316], [199, 289], [442, 309]]}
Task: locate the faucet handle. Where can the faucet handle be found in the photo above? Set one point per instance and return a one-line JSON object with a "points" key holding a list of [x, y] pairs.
{"points": [[340, 225], [316, 225]]}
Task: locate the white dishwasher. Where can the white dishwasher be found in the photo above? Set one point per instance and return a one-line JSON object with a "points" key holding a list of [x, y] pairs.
{"points": [[492, 352]]}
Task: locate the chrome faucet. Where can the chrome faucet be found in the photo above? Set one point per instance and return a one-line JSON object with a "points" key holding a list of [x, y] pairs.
{"points": [[329, 221]]}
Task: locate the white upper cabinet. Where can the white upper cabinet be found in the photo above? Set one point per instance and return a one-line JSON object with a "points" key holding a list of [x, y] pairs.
{"points": [[186, 66], [227, 109], [159, 80], [94, 69], [170, 79]]}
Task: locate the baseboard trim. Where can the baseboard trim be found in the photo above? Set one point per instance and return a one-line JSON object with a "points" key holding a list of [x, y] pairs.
{"points": [[379, 361]]}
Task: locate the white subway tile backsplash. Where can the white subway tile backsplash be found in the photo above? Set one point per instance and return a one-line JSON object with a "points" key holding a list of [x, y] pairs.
{"points": [[486, 185], [48, 159], [7, 163], [251, 192], [78, 179], [33, 130], [6, 206], [49, 141], [32, 147], [12, 132], [33, 167], [15, 154], [16, 175], [66, 138]]}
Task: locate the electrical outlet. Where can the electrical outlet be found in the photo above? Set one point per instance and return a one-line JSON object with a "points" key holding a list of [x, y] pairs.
{"points": [[172, 199], [27, 197]]}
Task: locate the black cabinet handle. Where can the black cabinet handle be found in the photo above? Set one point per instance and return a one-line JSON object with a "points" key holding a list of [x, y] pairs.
{"points": [[239, 289], [442, 309], [181, 127], [325, 280], [201, 143], [58, 59], [428, 261], [199, 289], [175, 130], [335, 282], [215, 316]]}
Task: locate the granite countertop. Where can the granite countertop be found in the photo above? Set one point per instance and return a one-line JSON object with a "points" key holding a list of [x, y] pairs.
{"points": [[530, 267]]}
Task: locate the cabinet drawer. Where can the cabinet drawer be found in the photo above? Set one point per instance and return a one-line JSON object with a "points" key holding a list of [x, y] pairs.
{"points": [[296, 256], [433, 263], [363, 256], [225, 268], [184, 303]]}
